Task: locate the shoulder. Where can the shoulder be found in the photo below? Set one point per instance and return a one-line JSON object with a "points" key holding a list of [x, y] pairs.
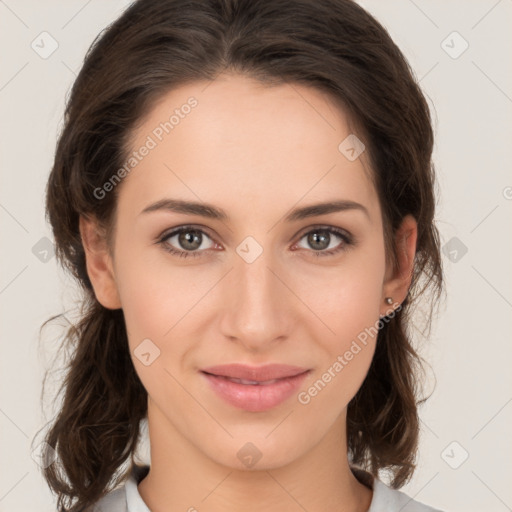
{"points": [[124, 498], [114, 501], [386, 499]]}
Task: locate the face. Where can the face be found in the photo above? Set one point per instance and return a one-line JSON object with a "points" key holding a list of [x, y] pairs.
{"points": [[259, 285]]}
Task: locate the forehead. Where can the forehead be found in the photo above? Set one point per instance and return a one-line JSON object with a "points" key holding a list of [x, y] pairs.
{"points": [[237, 142]]}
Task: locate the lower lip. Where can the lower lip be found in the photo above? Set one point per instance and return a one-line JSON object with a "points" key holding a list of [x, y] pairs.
{"points": [[255, 398]]}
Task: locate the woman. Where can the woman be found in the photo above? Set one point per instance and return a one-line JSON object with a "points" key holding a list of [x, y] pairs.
{"points": [[244, 190]]}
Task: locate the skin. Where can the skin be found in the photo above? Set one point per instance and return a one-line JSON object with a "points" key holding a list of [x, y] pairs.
{"points": [[257, 152]]}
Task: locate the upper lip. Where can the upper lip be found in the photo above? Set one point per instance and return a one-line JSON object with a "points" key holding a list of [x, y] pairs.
{"points": [[255, 373]]}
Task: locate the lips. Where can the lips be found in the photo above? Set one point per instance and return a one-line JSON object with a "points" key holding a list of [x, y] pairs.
{"points": [[256, 375], [254, 389]]}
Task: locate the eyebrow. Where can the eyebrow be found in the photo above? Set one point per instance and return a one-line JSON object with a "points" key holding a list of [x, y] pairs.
{"points": [[212, 212]]}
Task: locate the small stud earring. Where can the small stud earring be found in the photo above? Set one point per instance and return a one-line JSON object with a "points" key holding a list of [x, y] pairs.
{"points": [[389, 300]]}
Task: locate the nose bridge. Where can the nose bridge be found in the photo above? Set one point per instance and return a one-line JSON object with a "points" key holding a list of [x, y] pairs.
{"points": [[257, 312]]}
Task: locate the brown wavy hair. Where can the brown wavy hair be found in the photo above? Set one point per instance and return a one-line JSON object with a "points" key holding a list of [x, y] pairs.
{"points": [[155, 46]]}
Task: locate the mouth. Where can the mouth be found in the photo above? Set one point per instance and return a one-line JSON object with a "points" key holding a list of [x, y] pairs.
{"points": [[256, 394], [244, 381], [255, 374]]}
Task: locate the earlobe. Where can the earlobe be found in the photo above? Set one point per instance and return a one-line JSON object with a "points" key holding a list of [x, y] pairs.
{"points": [[99, 263], [399, 279]]}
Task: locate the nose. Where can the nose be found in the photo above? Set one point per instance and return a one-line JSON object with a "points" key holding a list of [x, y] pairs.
{"points": [[259, 306]]}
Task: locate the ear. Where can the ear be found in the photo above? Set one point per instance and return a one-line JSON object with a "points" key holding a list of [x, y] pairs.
{"points": [[99, 263], [398, 280]]}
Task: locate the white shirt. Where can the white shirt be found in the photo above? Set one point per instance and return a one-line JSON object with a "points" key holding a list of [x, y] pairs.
{"points": [[385, 499]]}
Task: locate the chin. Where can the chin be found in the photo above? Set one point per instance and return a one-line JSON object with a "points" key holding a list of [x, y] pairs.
{"points": [[256, 452]]}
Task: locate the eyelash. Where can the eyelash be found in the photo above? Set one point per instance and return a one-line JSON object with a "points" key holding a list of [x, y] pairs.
{"points": [[347, 241]]}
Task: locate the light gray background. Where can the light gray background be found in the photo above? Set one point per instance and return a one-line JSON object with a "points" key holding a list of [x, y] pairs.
{"points": [[469, 351]]}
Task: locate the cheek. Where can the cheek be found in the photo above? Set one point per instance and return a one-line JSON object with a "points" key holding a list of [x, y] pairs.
{"points": [[155, 303], [154, 295], [346, 304], [346, 299], [345, 343]]}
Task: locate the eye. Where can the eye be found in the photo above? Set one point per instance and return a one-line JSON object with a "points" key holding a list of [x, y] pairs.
{"points": [[322, 240], [188, 238], [188, 241]]}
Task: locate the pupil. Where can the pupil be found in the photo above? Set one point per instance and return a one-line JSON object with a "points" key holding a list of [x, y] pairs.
{"points": [[317, 241], [190, 241]]}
